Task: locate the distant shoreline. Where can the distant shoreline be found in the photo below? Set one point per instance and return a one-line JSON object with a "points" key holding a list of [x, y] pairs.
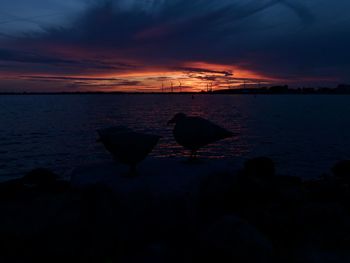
{"points": [[342, 89], [159, 93]]}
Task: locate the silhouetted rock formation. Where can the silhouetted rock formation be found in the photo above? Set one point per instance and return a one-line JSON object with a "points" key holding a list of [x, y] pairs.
{"points": [[341, 170], [208, 214], [260, 167], [40, 177], [231, 239], [36, 181]]}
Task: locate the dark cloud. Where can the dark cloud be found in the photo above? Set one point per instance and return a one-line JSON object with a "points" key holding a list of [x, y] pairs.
{"points": [[77, 83], [289, 40], [120, 83], [303, 12], [47, 62], [203, 70], [29, 57], [69, 78], [179, 27]]}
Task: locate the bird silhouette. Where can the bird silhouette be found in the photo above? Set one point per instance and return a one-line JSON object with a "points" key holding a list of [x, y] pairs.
{"points": [[194, 133], [127, 146]]}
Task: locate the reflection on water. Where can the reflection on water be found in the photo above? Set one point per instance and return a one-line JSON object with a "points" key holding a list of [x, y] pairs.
{"points": [[304, 134]]}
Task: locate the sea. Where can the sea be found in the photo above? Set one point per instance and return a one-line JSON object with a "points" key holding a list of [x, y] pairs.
{"points": [[304, 134]]}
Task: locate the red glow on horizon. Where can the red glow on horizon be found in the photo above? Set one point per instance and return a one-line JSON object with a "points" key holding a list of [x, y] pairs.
{"points": [[189, 77]]}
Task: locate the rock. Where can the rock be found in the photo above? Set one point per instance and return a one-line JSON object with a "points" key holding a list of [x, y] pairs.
{"points": [[327, 189], [278, 223], [39, 177], [164, 195], [100, 210], [252, 192], [232, 240], [217, 196], [319, 255], [288, 180], [325, 224], [290, 189], [11, 189], [341, 170], [153, 252], [26, 217], [262, 167], [34, 183], [78, 226], [147, 219]]}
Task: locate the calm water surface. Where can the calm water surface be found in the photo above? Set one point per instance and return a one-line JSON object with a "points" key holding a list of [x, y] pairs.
{"points": [[305, 135]]}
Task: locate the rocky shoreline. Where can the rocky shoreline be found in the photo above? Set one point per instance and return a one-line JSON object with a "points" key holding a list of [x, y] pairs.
{"points": [[217, 213]]}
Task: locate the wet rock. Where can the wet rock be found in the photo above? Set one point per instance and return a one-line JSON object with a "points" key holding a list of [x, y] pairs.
{"points": [[11, 189], [278, 223], [341, 170], [153, 252], [318, 255], [99, 210], [44, 180], [252, 192], [328, 189], [288, 180], [341, 182], [33, 184], [78, 226], [325, 224], [40, 177], [257, 184], [232, 240], [261, 167], [290, 189], [217, 196], [29, 216], [147, 219]]}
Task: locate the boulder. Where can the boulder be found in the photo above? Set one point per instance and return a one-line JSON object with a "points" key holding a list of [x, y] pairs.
{"points": [[325, 224], [217, 196], [262, 167], [341, 170], [231, 239], [40, 177]]}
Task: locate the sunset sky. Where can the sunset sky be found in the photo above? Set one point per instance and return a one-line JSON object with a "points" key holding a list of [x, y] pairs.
{"points": [[147, 45]]}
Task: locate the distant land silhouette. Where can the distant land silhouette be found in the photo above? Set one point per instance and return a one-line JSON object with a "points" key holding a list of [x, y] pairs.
{"points": [[278, 89], [340, 89]]}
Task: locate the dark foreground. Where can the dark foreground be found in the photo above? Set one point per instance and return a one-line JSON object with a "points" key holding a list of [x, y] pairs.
{"points": [[251, 215]]}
